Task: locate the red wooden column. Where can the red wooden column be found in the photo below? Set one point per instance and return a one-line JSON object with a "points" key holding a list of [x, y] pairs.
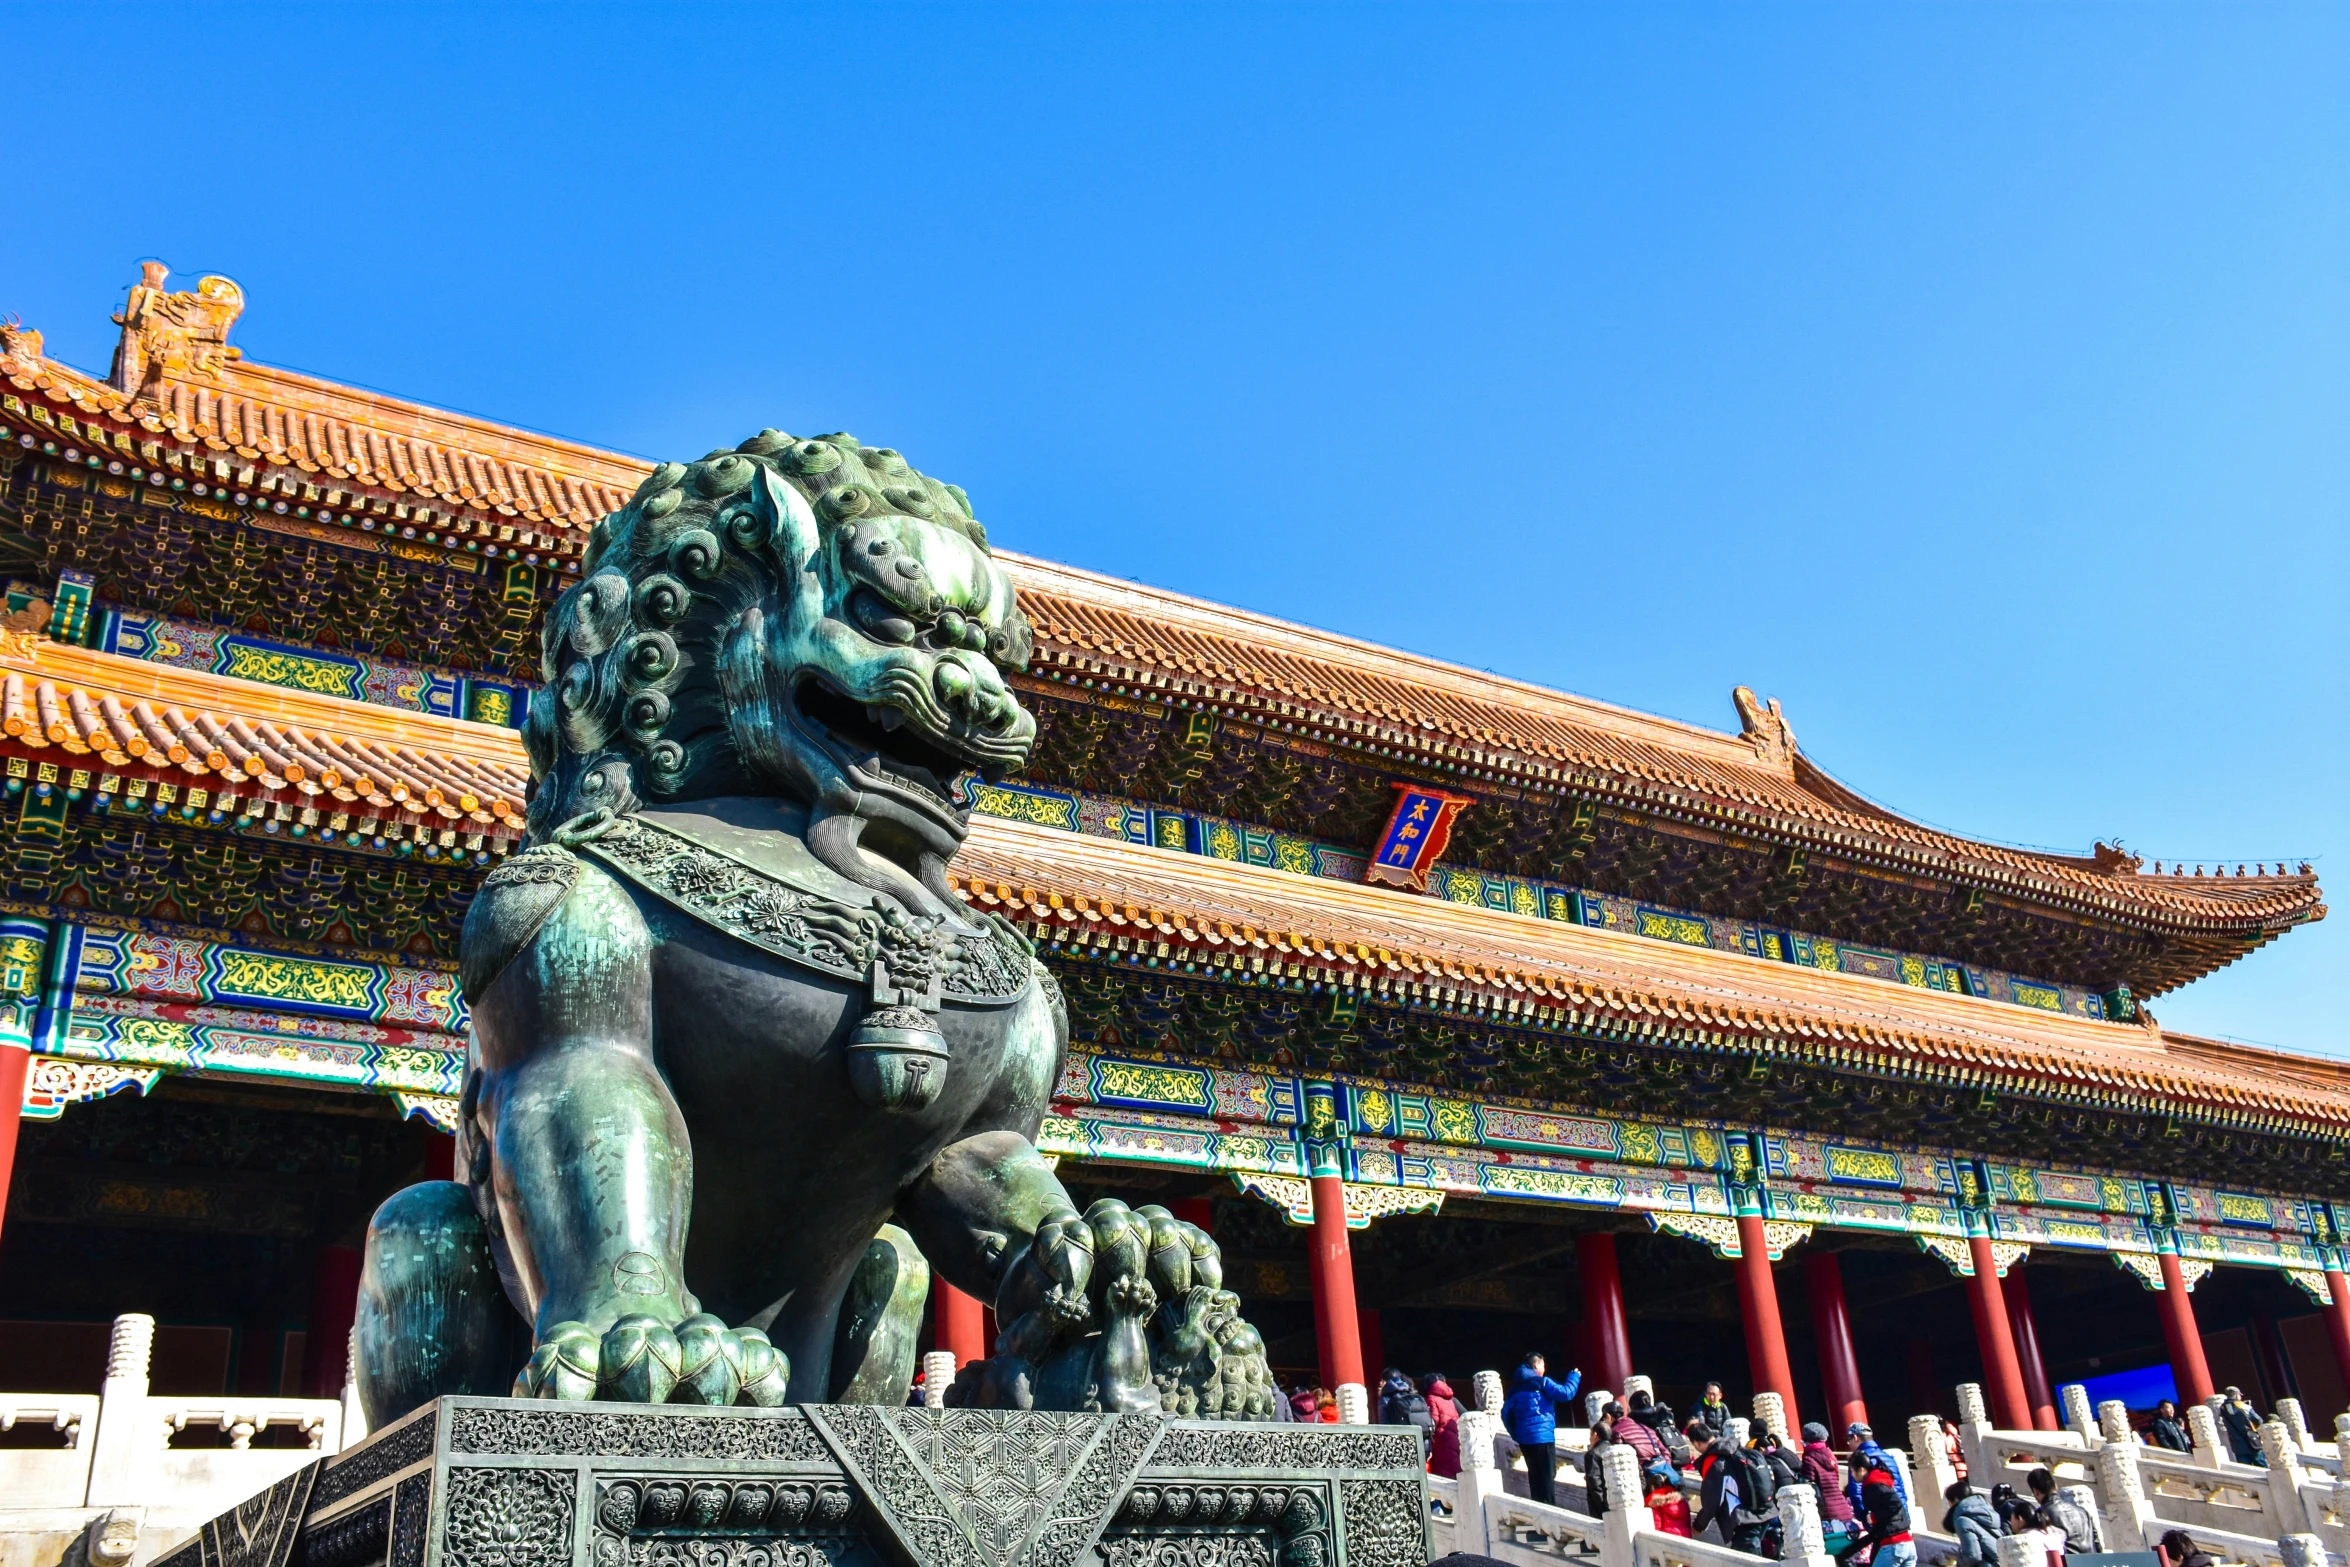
{"points": [[1831, 1331], [2003, 1379], [2180, 1335], [1337, 1330], [2338, 1319], [962, 1327], [1758, 1305], [1200, 1211], [16, 1064], [2027, 1350], [334, 1306], [1603, 1311]]}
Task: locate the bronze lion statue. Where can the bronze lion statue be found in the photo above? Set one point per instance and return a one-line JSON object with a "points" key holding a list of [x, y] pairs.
{"points": [[745, 1074]]}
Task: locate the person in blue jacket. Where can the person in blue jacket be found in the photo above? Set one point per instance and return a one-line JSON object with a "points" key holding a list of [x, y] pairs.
{"points": [[1531, 1414], [1865, 1451]]}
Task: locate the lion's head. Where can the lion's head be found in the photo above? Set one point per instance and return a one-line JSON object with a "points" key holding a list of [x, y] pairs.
{"points": [[805, 618]]}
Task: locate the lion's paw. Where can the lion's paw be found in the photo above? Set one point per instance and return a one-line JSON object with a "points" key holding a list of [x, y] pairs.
{"points": [[643, 1360]]}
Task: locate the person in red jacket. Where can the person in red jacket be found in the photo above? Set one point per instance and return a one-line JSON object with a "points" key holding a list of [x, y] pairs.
{"points": [[1665, 1499], [1444, 1442]]}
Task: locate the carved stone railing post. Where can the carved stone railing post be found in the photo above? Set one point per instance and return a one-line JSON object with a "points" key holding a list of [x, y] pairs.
{"points": [[1770, 1412], [1489, 1391], [2121, 1493], [1480, 1482], [2342, 1443], [2211, 1450], [2016, 1550], [938, 1374], [1595, 1401], [2289, 1411], [1799, 1527], [1628, 1516], [1638, 1384], [1738, 1429], [2302, 1550], [2287, 1513], [1929, 1448], [2113, 1421], [2077, 1418], [1974, 1430], [1354, 1404], [120, 1453]]}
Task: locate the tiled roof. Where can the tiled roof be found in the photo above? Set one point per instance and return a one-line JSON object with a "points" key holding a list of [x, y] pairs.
{"points": [[1421, 714], [374, 445], [1511, 967], [70, 704], [1434, 715], [90, 709]]}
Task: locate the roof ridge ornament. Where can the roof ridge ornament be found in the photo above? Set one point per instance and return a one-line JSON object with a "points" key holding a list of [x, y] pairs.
{"points": [[1764, 727], [169, 336], [2115, 860]]}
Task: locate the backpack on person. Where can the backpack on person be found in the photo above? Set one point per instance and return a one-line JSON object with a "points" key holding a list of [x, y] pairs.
{"points": [[1758, 1488]]}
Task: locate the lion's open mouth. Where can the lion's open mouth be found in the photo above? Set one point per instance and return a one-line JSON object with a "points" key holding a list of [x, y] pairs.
{"points": [[873, 738]]}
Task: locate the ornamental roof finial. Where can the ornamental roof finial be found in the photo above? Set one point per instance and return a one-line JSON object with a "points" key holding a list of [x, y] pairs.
{"points": [[174, 336], [1765, 728]]}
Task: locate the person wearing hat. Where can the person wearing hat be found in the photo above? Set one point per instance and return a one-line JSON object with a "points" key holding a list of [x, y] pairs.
{"points": [[1863, 1447], [1819, 1467]]}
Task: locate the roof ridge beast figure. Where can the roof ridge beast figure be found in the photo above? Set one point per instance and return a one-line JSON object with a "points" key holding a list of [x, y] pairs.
{"points": [[731, 943]]}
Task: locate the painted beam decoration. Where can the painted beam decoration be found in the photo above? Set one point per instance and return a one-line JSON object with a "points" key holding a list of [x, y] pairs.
{"points": [[123, 1008], [1417, 833], [1404, 1149], [1243, 843]]}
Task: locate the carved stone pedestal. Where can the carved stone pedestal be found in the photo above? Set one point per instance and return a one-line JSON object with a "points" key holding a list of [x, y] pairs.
{"points": [[475, 1482]]}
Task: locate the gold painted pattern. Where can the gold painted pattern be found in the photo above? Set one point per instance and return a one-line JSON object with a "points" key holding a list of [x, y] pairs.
{"points": [[273, 667], [296, 979]]}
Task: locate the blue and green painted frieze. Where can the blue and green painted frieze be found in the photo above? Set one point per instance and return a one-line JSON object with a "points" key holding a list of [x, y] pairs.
{"points": [[1188, 832], [1129, 1106]]}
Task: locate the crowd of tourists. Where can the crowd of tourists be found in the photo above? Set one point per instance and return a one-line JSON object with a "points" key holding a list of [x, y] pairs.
{"points": [[1734, 1472]]}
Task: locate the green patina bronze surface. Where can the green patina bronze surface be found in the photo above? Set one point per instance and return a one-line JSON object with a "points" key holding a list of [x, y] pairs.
{"points": [[745, 1073]]}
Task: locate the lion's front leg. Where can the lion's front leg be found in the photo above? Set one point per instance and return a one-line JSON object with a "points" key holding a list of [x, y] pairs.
{"points": [[590, 1170]]}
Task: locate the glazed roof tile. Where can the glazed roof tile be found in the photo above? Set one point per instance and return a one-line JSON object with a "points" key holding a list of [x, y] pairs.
{"points": [[1602, 979], [343, 434], [1423, 714], [1360, 693], [71, 702], [68, 703]]}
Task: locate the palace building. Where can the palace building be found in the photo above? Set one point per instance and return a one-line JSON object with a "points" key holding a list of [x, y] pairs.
{"points": [[1472, 1016]]}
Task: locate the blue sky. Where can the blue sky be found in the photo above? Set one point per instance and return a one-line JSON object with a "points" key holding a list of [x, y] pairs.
{"points": [[1975, 379]]}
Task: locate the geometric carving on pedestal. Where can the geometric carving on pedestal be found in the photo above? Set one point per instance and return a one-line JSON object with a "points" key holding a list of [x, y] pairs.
{"points": [[481, 1482], [992, 1488]]}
